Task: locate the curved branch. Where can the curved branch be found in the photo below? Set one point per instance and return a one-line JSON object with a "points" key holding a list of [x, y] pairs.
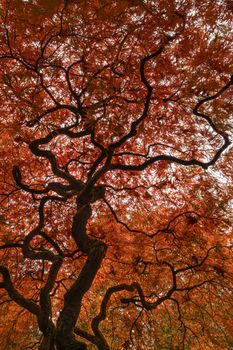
{"points": [[101, 342], [15, 295], [204, 165], [66, 191], [121, 222], [134, 125], [149, 87], [210, 98], [34, 147], [17, 177], [58, 107], [42, 255], [45, 316], [95, 251]]}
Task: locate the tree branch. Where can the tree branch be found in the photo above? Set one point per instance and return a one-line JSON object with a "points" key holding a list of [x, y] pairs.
{"points": [[15, 295]]}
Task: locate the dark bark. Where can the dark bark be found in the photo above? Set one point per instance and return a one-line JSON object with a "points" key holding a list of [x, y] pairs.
{"points": [[95, 250]]}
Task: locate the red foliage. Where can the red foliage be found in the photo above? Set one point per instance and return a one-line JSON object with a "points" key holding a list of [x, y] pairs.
{"points": [[116, 178]]}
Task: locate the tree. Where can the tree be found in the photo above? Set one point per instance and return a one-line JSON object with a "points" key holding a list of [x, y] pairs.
{"points": [[116, 176]]}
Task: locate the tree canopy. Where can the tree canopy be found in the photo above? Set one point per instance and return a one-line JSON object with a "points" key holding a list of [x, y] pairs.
{"points": [[116, 175]]}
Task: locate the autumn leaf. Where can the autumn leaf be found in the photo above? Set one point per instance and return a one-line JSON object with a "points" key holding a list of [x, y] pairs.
{"points": [[116, 175]]}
